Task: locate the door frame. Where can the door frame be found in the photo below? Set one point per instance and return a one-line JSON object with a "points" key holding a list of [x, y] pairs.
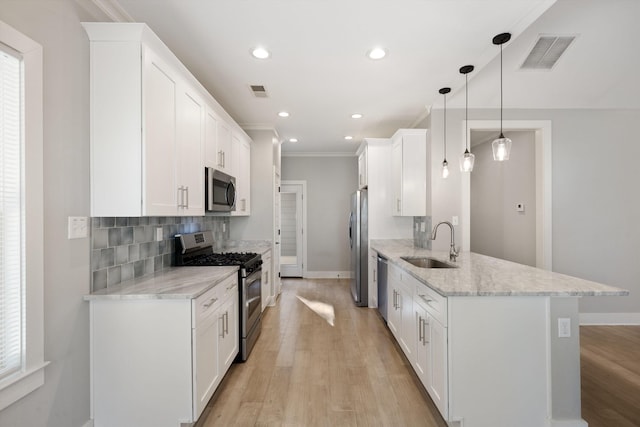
{"points": [[542, 132], [303, 184]]}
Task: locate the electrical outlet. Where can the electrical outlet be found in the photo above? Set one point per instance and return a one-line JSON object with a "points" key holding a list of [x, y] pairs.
{"points": [[78, 227], [158, 234], [454, 220], [423, 226], [564, 327]]}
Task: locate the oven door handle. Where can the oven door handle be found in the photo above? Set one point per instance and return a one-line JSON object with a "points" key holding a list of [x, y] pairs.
{"points": [[255, 275], [250, 300]]}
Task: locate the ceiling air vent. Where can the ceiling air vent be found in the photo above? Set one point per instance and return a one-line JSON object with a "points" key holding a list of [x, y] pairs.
{"points": [[546, 52], [259, 91]]}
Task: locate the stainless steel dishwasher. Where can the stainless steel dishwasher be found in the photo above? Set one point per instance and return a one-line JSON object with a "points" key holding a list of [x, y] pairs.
{"points": [[382, 287]]}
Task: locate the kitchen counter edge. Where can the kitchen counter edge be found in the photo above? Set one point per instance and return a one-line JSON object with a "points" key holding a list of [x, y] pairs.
{"points": [[170, 283], [480, 275]]}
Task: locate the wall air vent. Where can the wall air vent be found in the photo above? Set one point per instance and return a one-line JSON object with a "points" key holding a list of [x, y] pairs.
{"points": [[546, 52], [258, 91]]}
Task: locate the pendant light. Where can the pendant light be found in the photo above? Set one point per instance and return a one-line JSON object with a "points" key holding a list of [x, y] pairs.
{"points": [[501, 146], [467, 159], [445, 165]]}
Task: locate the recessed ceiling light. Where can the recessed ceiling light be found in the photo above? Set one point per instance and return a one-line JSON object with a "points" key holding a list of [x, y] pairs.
{"points": [[348, 137], [356, 116], [260, 53], [293, 139], [377, 53], [283, 114]]}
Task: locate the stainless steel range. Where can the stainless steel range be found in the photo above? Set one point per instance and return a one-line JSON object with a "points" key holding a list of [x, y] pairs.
{"points": [[196, 249]]}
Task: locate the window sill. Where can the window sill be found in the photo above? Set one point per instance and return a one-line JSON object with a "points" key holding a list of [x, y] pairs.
{"points": [[21, 384]]}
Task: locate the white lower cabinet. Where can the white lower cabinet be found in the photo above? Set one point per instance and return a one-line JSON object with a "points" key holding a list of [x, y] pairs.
{"points": [[400, 311], [157, 362]]}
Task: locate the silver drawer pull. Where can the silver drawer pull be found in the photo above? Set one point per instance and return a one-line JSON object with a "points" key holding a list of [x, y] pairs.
{"points": [[210, 303], [424, 297]]}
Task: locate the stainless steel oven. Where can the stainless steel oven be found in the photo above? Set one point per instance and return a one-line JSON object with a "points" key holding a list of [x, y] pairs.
{"points": [[250, 309], [196, 249]]}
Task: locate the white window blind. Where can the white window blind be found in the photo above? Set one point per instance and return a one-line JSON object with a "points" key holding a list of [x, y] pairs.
{"points": [[11, 216]]}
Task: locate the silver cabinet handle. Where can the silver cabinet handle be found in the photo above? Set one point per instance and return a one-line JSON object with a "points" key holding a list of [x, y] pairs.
{"points": [[374, 275], [210, 302], [424, 335], [186, 190], [224, 160], [398, 204], [226, 322], [420, 330], [424, 297], [222, 321]]}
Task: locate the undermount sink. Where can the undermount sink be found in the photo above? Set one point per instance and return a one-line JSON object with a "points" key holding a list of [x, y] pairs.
{"points": [[426, 262]]}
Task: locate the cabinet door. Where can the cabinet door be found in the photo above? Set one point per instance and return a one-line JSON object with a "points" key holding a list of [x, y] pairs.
{"points": [[407, 334], [159, 138], [393, 308], [210, 139], [206, 373], [228, 332], [396, 176], [414, 175], [190, 185], [362, 170], [422, 344], [437, 366], [242, 171], [223, 150]]}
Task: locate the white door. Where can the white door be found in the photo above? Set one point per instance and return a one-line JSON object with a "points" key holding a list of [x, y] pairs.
{"points": [[276, 234], [292, 226]]}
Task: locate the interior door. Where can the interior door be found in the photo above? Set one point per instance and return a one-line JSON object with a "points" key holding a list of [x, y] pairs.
{"points": [[292, 226]]}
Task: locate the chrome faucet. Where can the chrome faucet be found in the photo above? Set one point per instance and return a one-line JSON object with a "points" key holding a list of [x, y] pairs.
{"points": [[453, 252]]}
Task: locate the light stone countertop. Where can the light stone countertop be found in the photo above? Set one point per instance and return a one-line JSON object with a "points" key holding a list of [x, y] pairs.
{"points": [[480, 275], [257, 246], [170, 283]]}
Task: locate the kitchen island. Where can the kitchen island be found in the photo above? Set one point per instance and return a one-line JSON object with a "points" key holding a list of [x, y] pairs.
{"points": [[495, 343]]}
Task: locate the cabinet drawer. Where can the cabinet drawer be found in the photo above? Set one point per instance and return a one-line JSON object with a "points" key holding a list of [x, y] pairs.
{"points": [[433, 302], [229, 286], [206, 304]]}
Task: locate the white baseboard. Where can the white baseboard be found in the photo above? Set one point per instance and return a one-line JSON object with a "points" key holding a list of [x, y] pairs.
{"points": [[327, 275], [610, 318], [88, 424], [569, 423]]}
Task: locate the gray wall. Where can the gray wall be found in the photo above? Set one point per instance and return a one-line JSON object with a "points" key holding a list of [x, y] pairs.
{"points": [[64, 399], [330, 182], [497, 229], [594, 184]]}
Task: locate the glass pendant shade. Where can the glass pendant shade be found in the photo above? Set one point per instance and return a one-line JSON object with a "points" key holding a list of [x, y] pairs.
{"points": [[445, 169], [501, 148], [466, 161]]}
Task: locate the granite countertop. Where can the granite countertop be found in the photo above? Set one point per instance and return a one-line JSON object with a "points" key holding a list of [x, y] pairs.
{"points": [[170, 283], [480, 275], [257, 246]]}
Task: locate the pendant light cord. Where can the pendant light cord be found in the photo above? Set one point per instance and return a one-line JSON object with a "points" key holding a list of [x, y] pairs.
{"points": [[445, 126], [466, 111], [501, 134]]}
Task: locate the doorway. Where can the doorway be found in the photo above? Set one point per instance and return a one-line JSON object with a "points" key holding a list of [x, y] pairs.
{"points": [[293, 220], [541, 130], [503, 198]]}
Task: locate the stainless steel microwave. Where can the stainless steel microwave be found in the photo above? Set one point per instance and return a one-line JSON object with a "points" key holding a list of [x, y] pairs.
{"points": [[220, 191]]}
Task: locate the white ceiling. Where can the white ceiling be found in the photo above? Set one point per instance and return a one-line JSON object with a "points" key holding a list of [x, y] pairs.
{"points": [[319, 73]]}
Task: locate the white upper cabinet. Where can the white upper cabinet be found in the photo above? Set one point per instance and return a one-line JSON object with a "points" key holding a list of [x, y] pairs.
{"points": [[411, 181], [153, 126], [241, 153], [362, 166]]}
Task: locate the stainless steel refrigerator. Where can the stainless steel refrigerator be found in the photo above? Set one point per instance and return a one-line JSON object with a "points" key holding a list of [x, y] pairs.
{"points": [[359, 243]]}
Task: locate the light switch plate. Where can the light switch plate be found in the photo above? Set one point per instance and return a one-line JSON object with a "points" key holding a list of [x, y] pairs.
{"points": [[564, 327], [78, 227]]}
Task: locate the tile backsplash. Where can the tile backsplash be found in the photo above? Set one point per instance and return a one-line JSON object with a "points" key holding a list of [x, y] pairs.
{"points": [[124, 248], [421, 239]]}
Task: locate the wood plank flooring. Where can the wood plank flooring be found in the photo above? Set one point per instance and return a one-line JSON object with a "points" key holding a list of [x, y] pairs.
{"points": [[304, 372], [610, 375]]}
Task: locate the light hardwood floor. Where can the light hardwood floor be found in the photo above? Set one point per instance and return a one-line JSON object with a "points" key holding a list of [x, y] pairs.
{"points": [[304, 372], [610, 368]]}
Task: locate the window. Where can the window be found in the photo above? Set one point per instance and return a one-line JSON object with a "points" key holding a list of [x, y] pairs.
{"points": [[21, 216], [11, 214]]}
